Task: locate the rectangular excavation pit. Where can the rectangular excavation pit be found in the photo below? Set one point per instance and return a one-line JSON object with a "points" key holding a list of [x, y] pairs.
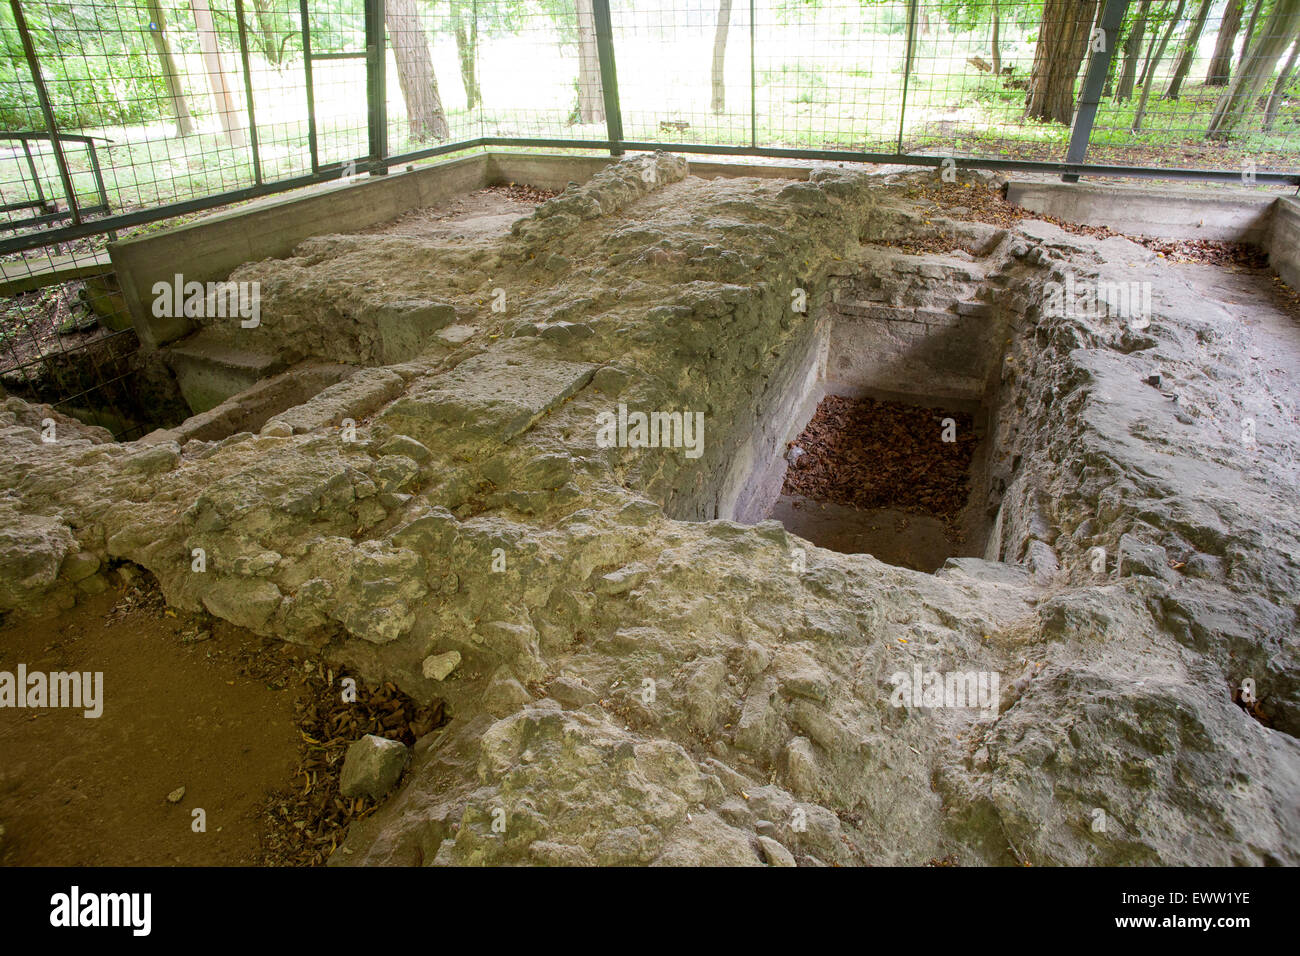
{"points": [[895, 383], [887, 478]]}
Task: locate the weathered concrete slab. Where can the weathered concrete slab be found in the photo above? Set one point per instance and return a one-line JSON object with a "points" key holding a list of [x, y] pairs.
{"points": [[354, 398], [210, 248], [488, 399]]}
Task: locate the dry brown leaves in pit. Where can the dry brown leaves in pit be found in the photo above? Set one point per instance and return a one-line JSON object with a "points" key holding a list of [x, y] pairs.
{"points": [[140, 593], [975, 202], [307, 823], [522, 192], [923, 245], [881, 454]]}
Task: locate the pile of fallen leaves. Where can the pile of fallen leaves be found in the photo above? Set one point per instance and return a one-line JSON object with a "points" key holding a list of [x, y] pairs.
{"points": [[977, 202], [139, 593], [307, 823], [880, 454], [522, 192], [923, 245]]}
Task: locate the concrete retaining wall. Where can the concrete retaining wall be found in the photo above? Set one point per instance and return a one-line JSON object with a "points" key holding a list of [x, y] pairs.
{"points": [[1284, 242], [209, 249], [1161, 212]]}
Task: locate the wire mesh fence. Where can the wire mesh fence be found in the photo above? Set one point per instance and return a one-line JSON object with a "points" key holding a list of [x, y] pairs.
{"points": [[111, 107], [118, 113], [1203, 84]]}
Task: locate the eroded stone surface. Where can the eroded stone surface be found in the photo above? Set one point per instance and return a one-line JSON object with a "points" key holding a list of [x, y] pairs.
{"points": [[634, 688]]}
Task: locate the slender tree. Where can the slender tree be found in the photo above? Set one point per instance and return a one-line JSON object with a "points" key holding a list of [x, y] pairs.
{"points": [[158, 33], [591, 106], [465, 25], [1279, 90], [1132, 48], [1221, 62], [719, 101], [996, 40], [268, 28], [1153, 61], [1250, 28], [1188, 51], [227, 110], [1260, 6]]}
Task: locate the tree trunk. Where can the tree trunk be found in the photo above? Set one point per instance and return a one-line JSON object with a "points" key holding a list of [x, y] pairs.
{"points": [[1062, 43], [997, 45], [719, 103], [466, 29], [227, 110], [1116, 59], [1221, 62], [415, 74], [1256, 69], [1153, 62], [1188, 51], [1151, 47], [1132, 53], [175, 92], [1279, 90], [1250, 30], [591, 106], [266, 26]]}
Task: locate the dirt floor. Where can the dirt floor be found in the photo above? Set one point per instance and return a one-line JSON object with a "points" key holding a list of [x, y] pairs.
{"points": [[917, 541], [181, 708], [255, 730]]}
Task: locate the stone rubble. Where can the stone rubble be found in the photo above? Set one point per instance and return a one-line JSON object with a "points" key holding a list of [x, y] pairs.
{"points": [[372, 767], [635, 683]]}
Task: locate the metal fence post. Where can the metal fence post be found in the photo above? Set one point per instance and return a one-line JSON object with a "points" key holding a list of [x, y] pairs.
{"points": [[312, 144], [377, 86], [608, 75], [1112, 16], [753, 81], [248, 91], [907, 68], [43, 97]]}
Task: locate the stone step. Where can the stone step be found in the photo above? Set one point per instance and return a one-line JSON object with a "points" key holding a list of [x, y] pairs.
{"points": [[209, 370], [974, 309], [931, 316]]}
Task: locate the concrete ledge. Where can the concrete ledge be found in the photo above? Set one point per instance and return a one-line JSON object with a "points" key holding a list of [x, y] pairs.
{"points": [[26, 275], [1162, 212]]}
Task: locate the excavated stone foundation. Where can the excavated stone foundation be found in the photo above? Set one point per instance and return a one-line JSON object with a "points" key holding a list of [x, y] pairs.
{"points": [[453, 494]]}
